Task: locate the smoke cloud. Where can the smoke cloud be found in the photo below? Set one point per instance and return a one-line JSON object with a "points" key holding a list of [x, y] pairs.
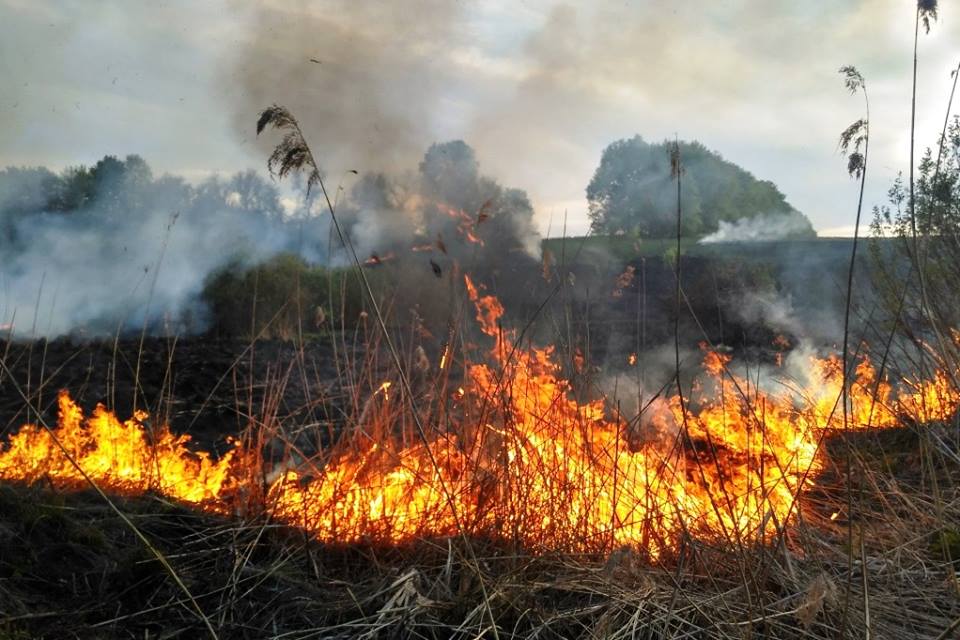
{"points": [[762, 228], [447, 210], [371, 84], [110, 248]]}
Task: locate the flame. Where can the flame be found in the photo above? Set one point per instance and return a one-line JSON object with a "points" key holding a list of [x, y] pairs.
{"points": [[376, 259], [525, 462], [624, 280], [443, 357], [465, 222], [127, 457]]}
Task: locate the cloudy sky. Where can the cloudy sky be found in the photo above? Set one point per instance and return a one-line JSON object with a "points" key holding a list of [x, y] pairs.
{"points": [[537, 88]]}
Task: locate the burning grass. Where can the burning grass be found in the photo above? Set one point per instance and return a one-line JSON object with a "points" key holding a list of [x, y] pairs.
{"points": [[71, 568], [489, 491], [493, 496], [510, 455], [719, 514]]}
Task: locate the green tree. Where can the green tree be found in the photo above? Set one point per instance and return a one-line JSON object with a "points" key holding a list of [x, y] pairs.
{"points": [[935, 217], [631, 191]]}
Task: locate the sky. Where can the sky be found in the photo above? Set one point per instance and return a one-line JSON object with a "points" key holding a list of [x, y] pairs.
{"points": [[539, 89]]}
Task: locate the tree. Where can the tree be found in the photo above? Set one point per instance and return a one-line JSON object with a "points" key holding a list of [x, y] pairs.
{"points": [[631, 191], [24, 190], [249, 192], [450, 171], [76, 190], [450, 177], [935, 216]]}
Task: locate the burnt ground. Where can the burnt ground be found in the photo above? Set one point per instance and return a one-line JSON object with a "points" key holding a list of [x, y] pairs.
{"points": [[207, 387]]}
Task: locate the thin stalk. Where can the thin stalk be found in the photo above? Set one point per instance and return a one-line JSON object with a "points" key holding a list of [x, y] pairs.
{"points": [[857, 134]]}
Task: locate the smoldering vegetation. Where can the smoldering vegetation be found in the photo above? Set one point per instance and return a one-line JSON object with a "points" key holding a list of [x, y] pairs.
{"points": [[739, 293], [113, 249], [118, 249]]}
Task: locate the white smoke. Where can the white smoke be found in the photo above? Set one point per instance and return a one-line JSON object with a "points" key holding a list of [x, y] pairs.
{"points": [[766, 227], [94, 272], [133, 251]]}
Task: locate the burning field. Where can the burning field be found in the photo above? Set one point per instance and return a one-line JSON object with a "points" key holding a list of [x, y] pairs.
{"points": [[448, 438], [508, 456], [378, 392], [489, 470]]}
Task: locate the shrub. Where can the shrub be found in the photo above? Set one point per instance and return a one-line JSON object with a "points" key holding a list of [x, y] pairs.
{"points": [[282, 298]]}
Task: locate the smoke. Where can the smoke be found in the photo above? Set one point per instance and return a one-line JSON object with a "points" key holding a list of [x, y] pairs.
{"points": [[369, 83], [129, 250], [447, 210], [770, 309], [763, 228], [111, 248], [372, 87]]}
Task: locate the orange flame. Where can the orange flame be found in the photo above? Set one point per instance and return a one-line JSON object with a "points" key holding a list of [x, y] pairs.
{"points": [[465, 223], [624, 280], [376, 259], [125, 457], [526, 463]]}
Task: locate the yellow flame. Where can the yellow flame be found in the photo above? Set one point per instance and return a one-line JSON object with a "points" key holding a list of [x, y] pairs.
{"points": [[125, 457], [525, 462]]}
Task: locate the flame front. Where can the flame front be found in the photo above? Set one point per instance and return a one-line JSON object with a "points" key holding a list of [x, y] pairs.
{"points": [[124, 457], [526, 463]]}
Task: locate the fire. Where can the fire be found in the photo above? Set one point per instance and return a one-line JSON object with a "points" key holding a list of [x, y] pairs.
{"points": [[376, 259], [466, 225], [525, 462], [126, 457], [624, 280], [443, 357]]}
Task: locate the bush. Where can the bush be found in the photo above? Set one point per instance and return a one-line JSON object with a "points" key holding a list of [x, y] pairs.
{"points": [[282, 298]]}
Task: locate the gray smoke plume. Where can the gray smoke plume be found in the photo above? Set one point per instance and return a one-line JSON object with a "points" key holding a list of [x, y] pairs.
{"points": [[447, 210], [369, 83]]}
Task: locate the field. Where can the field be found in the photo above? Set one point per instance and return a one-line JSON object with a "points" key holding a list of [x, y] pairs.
{"points": [[873, 526], [373, 402]]}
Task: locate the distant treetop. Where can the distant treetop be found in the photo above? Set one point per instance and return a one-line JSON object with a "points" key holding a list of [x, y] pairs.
{"points": [[632, 192]]}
